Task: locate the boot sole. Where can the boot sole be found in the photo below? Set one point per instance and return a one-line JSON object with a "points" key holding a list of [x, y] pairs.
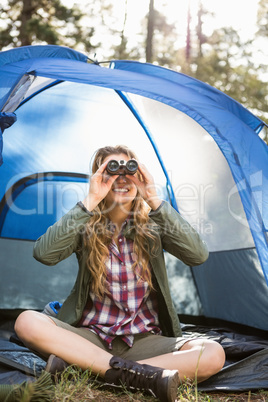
{"points": [[55, 365], [49, 363], [173, 384]]}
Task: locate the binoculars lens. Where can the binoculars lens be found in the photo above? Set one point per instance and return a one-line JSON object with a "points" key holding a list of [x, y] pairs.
{"points": [[122, 167], [113, 166], [132, 166]]}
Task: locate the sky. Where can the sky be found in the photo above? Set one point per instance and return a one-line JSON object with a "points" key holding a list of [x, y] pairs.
{"points": [[239, 14]]}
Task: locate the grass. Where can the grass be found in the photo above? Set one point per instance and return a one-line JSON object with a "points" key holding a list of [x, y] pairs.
{"points": [[74, 385]]}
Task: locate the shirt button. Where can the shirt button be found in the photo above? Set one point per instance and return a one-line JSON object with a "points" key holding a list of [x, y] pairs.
{"points": [[126, 309], [124, 287], [120, 240]]}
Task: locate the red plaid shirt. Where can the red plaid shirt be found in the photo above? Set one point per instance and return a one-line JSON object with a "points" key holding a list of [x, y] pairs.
{"points": [[129, 308]]}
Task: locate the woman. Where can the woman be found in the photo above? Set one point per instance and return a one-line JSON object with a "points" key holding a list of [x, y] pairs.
{"points": [[119, 319]]}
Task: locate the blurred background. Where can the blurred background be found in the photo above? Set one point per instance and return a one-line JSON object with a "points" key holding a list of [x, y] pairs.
{"points": [[221, 43]]}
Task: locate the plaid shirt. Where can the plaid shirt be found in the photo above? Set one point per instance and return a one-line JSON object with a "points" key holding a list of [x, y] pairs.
{"points": [[129, 308]]}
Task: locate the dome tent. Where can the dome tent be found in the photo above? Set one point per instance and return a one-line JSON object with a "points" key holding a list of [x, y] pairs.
{"points": [[202, 147]]}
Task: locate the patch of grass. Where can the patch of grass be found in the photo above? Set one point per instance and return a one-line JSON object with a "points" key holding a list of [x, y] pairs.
{"points": [[73, 385], [77, 385]]}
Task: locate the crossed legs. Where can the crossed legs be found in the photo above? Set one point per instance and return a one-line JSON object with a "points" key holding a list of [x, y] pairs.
{"points": [[40, 333]]}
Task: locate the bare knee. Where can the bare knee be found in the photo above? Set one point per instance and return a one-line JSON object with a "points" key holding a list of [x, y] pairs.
{"points": [[211, 357], [28, 324], [214, 358], [23, 324]]}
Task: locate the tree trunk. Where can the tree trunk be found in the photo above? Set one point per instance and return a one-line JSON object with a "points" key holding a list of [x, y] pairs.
{"points": [[150, 33], [123, 42], [188, 36], [199, 29], [26, 15]]}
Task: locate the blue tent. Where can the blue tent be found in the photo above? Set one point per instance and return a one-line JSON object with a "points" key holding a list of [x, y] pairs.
{"points": [[202, 147], [208, 161]]}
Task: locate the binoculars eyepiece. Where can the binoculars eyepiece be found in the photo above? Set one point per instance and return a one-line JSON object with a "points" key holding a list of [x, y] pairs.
{"points": [[122, 167]]}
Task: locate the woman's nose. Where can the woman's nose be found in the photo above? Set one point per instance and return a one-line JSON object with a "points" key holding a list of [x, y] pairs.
{"points": [[121, 179]]}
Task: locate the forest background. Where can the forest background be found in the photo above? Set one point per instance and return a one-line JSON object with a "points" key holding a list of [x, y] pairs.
{"points": [[222, 59]]}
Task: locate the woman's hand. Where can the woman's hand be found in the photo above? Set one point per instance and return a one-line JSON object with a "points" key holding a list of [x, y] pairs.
{"points": [[146, 187], [100, 185]]}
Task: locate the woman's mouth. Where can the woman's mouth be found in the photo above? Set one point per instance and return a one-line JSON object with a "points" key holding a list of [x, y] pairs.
{"points": [[120, 190]]}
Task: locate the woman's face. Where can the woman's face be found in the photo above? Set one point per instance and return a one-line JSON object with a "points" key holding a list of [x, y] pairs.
{"points": [[123, 190]]}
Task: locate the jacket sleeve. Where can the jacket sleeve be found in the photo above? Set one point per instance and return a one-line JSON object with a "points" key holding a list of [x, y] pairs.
{"points": [[62, 238], [178, 237]]}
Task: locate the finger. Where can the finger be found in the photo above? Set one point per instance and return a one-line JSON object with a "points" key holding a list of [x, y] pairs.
{"points": [[103, 167], [145, 173], [111, 180], [143, 170], [134, 179]]}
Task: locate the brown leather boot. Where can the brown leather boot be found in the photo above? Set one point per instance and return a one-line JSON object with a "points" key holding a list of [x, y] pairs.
{"points": [[162, 384]]}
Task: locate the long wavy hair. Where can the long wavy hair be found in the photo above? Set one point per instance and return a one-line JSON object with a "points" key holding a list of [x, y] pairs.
{"points": [[97, 234]]}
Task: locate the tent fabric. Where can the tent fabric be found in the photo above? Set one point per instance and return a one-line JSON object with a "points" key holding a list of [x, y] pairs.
{"points": [[28, 52], [65, 108], [225, 267], [6, 120], [25, 190], [231, 127], [225, 120], [41, 285], [246, 360], [196, 86], [20, 358]]}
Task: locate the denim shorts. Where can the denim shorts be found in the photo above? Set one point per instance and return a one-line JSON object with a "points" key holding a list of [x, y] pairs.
{"points": [[145, 345]]}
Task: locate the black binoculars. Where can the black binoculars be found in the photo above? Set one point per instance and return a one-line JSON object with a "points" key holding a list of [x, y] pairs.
{"points": [[122, 167]]}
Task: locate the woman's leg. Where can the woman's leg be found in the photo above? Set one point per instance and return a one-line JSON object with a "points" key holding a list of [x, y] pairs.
{"points": [[198, 358], [40, 333]]}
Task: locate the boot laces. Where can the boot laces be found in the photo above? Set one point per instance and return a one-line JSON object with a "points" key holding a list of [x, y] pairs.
{"points": [[137, 377]]}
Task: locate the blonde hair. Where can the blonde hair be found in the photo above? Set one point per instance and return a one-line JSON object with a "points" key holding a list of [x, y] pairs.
{"points": [[97, 235]]}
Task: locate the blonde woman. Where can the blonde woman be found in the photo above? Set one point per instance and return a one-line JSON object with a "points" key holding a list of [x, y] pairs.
{"points": [[119, 319]]}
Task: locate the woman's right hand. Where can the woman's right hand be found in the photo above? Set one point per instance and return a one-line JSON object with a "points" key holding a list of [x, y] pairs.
{"points": [[99, 186]]}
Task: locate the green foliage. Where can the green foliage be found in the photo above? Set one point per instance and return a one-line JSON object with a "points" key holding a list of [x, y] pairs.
{"points": [[164, 38], [27, 22], [222, 60], [262, 18], [228, 64]]}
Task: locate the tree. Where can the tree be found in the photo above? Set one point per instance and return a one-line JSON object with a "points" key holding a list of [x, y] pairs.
{"points": [[160, 38], [262, 18], [224, 61], [188, 36], [150, 32], [123, 51], [199, 29], [28, 22]]}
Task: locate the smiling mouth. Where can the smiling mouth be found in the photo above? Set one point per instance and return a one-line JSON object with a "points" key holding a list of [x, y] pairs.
{"points": [[120, 190]]}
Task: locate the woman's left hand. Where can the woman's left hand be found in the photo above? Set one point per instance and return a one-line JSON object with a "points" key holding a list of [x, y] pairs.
{"points": [[146, 187]]}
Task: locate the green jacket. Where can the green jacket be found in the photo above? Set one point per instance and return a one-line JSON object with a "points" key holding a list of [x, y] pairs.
{"points": [[174, 235]]}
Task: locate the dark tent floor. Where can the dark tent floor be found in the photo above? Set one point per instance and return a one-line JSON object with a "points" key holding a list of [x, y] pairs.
{"points": [[245, 368]]}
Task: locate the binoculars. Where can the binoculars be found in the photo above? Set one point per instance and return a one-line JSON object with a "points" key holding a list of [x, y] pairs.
{"points": [[122, 167]]}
